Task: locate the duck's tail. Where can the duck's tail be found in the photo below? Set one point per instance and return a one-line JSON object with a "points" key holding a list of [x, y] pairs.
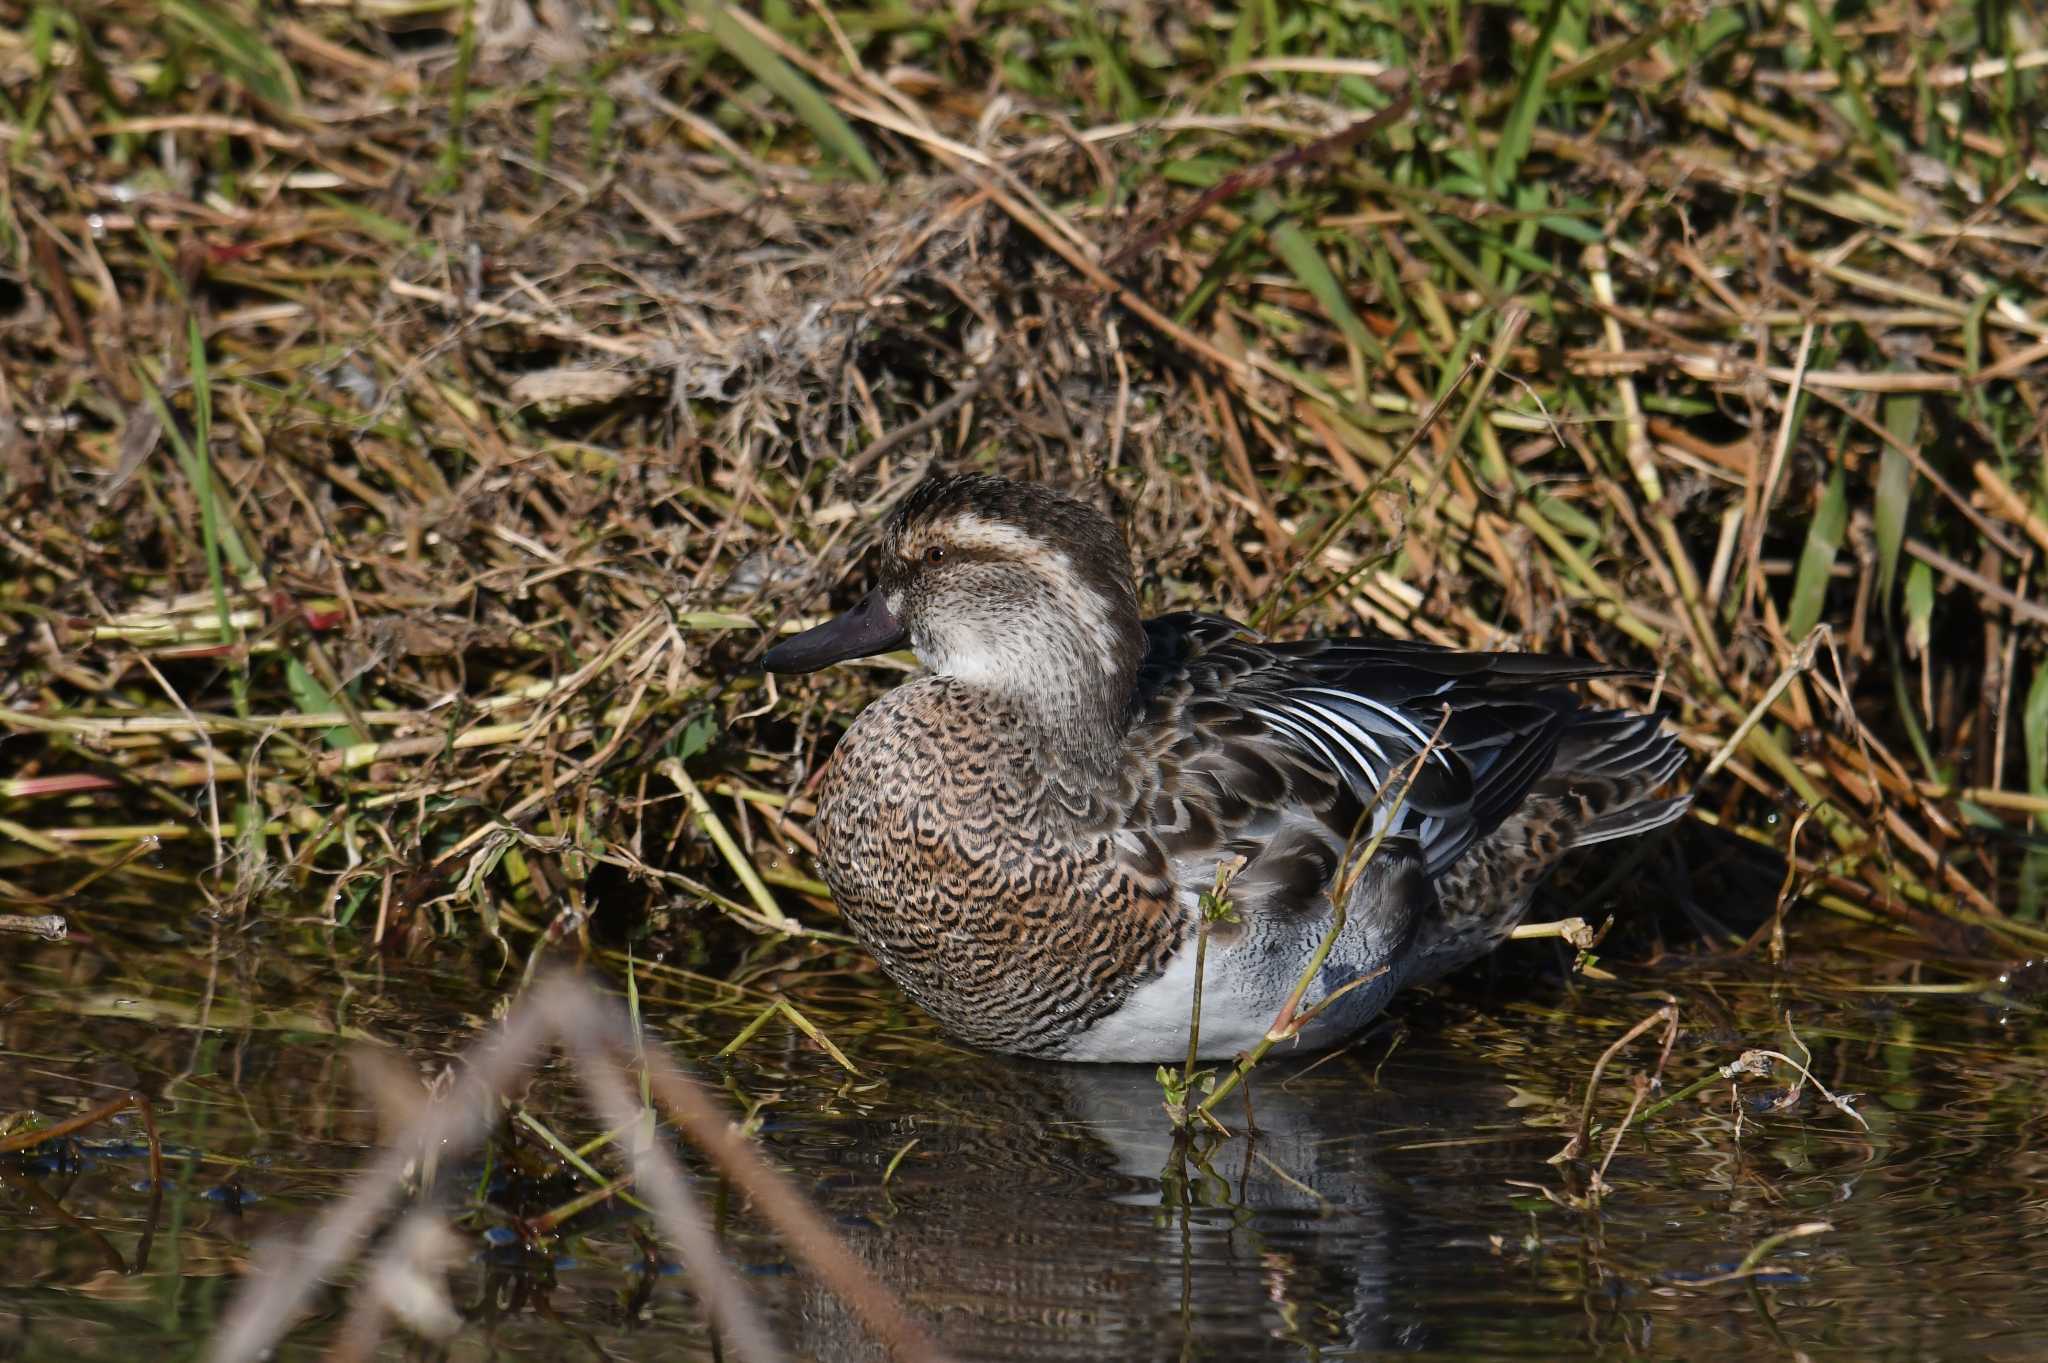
{"points": [[1608, 766]]}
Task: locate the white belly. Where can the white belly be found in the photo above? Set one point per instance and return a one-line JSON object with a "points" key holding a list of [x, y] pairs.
{"points": [[1153, 1023], [1243, 991]]}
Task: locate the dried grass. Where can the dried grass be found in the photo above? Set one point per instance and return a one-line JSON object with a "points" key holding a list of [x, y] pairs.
{"points": [[406, 1276], [411, 415]]}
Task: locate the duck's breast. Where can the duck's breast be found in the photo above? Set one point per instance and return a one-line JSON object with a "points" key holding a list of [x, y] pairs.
{"points": [[1012, 926]]}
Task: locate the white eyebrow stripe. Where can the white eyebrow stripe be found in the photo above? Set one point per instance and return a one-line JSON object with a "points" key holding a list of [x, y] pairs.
{"points": [[972, 532], [1083, 603]]}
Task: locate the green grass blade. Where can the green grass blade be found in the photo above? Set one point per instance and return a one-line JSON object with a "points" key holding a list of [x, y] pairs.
{"points": [[1823, 541], [1299, 254], [1852, 100], [368, 221], [2034, 725], [1519, 130], [188, 460], [1894, 488], [1219, 272], [241, 52], [1919, 606], [458, 99], [832, 131], [202, 463]]}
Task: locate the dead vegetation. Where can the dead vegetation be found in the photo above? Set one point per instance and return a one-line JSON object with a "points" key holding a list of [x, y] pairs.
{"points": [[412, 415], [405, 1279]]}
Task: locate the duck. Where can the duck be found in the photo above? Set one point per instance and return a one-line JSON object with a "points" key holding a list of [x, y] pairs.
{"points": [[1073, 810]]}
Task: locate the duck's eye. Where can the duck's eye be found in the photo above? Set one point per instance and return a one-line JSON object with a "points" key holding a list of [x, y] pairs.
{"points": [[935, 554]]}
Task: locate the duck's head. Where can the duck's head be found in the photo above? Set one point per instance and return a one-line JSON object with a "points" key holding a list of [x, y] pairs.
{"points": [[1003, 585]]}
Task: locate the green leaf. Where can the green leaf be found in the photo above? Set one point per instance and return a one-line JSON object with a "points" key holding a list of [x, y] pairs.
{"points": [[1919, 607], [368, 221], [1720, 25], [1894, 488], [1567, 517], [1299, 254], [832, 131], [241, 52], [1574, 229], [313, 698], [696, 736], [1199, 171], [1823, 541], [1520, 128], [2034, 724], [352, 903]]}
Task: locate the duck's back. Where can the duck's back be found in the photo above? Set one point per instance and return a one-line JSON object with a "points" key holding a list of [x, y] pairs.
{"points": [[1480, 770]]}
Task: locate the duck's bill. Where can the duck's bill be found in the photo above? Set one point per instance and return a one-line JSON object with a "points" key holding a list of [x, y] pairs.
{"points": [[867, 629]]}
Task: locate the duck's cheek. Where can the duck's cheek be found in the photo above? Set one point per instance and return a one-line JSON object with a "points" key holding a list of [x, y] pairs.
{"points": [[973, 655]]}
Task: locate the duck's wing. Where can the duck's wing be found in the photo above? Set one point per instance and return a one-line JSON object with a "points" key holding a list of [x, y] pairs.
{"points": [[1327, 724]]}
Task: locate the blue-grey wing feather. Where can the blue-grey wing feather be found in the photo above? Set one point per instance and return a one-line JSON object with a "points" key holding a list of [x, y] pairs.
{"points": [[1360, 711]]}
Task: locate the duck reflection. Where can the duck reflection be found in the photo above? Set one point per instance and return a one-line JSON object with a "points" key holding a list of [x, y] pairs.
{"points": [[1056, 1214]]}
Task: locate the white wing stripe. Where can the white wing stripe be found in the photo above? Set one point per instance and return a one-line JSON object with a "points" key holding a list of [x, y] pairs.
{"points": [[1345, 726], [1352, 698], [1329, 731], [1309, 735], [1429, 830], [1318, 723]]}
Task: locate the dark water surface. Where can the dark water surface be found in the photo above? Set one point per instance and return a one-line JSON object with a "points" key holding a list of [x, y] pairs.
{"points": [[1398, 1199]]}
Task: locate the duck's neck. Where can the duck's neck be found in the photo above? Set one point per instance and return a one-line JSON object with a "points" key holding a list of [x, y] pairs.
{"points": [[1071, 731], [1068, 688]]}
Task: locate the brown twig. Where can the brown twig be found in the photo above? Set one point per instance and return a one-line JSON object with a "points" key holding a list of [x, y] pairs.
{"points": [[1667, 1014]]}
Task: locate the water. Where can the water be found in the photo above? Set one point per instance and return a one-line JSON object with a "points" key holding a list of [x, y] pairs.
{"points": [[1396, 1201]]}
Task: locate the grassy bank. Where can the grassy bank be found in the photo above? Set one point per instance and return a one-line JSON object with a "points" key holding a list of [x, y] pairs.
{"points": [[412, 414]]}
